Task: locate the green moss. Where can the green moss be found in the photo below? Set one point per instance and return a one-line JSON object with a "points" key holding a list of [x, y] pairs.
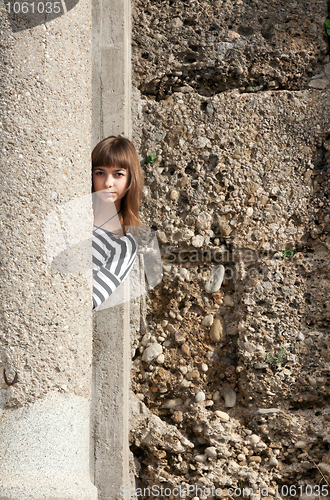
{"points": [[150, 159]]}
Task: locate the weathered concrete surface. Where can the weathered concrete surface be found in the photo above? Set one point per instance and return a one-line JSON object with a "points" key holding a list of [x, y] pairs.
{"points": [[111, 405], [111, 69], [111, 348], [116, 328], [49, 437], [46, 317], [212, 46], [46, 109]]}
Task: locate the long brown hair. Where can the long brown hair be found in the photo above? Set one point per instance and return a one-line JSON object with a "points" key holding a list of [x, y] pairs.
{"points": [[120, 152]]}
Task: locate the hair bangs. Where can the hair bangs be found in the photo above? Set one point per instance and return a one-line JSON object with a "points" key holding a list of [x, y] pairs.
{"points": [[111, 152]]}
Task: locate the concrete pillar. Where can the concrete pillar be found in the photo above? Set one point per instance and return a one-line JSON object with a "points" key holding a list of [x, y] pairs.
{"points": [[46, 316], [111, 350], [111, 68], [111, 363]]}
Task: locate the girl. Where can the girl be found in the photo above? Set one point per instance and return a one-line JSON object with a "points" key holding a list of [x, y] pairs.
{"points": [[117, 182]]}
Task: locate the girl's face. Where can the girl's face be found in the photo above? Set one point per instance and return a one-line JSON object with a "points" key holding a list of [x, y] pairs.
{"points": [[110, 183]]}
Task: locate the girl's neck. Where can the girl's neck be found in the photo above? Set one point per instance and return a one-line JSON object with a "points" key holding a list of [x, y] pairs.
{"points": [[109, 217]]}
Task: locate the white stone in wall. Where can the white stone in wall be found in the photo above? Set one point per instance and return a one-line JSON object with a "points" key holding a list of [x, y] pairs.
{"points": [[152, 352]]}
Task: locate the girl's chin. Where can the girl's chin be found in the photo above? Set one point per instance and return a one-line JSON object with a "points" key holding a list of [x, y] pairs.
{"points": [[106, 197]]}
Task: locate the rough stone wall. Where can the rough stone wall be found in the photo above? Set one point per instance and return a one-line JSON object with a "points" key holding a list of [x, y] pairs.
{"points": [[213, 46], [231, 379]]}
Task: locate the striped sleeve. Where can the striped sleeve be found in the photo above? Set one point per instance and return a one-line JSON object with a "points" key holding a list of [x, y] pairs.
{"points": [[113, 259]]}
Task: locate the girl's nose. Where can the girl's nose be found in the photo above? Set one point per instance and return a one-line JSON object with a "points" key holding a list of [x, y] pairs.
{"points": [[109, 181]]}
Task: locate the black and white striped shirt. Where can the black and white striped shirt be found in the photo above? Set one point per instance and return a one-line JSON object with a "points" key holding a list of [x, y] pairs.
{"points": [[113, 259]]}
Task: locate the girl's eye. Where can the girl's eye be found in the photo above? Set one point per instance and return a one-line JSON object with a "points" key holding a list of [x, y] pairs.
{"points": [[117, 174]]}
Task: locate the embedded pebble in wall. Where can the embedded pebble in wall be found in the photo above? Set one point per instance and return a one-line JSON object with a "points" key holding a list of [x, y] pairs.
{"points": [[211, 452], [208, 320], [212, 355], [197, 241], [265, 411], [319, 83], [145, 339], [171, 328], [254, 439], [312, 381], [172, 403], [200, 396], [228, 301], [152, 352], [216, 396], [325, 468], [241, 327], [224, 417], [217, 330], [230, 396], [327, 70], [161, 235], [194, 375], [180, 336], [185, 349], [186, 234], [185, 383], [202, 142], [174, 195], [203, 220], [177, 417], [216, 278], [260, 366], [301, 444], [160, 359]]}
